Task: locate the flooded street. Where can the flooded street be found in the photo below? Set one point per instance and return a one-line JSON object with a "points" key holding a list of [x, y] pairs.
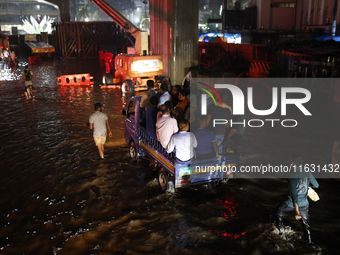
{"points": [[59, 198]]}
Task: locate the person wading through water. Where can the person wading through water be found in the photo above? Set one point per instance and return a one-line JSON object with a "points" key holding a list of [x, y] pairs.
{"points": [[27, 75], [298, 183], [99, 122]]}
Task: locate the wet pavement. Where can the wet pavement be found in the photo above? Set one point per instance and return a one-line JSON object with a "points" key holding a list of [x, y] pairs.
{"points": [[59, 198]]}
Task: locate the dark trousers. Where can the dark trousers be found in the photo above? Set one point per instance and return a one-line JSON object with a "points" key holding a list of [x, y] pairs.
{"points": [[304, 218], [205, 156], [232, 143]]}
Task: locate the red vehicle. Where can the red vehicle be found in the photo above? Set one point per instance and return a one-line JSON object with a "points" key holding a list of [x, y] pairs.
{"points": [[131, 70]]}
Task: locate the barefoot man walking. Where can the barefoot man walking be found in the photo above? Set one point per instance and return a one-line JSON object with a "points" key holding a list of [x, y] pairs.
{"points": [[99, 122]]}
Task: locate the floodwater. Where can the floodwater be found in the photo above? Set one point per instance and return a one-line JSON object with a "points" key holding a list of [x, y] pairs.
{"points": [[57, 197]]}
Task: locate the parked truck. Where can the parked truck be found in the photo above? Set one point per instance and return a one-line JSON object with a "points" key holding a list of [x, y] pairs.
{"points": [[132, 70], [172, 175]]}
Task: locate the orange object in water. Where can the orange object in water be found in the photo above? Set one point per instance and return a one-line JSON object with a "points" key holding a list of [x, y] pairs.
{"points": [[75, 79]]}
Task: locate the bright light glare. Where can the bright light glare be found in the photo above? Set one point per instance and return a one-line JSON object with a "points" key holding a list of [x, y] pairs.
{"points": [[145, 65], [87, 19], [230, 38], [136, 19], [33, 26]]}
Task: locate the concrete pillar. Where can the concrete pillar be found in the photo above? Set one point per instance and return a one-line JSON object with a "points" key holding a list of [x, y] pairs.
{"points": [[309, 22], [160, 27], [263, 14], [321, 13], [64, 7], [300, 11], [174, 35]]}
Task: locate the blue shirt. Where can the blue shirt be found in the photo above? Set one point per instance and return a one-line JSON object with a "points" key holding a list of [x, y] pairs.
{"points": [[204, 138], [151, 118], [298, 184]]}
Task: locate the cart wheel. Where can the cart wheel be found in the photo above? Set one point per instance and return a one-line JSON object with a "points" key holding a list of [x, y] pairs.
{"points": [[133, 151], [128, 86], [163, 179], [104, 78], [107, 79]]}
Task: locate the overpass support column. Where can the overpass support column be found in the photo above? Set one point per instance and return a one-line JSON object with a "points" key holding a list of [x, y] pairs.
{"points": [[174, 34], [64, 7]]}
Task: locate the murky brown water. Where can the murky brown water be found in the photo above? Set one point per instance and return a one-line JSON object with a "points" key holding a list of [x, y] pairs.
{"points": [[57, 197]]}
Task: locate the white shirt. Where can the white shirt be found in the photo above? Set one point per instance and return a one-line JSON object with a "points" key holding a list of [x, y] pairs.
{"points": [[98, 119], [184, 142], [165, 97]]}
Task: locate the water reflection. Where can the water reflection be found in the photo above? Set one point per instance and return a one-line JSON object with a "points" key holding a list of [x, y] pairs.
{"points": [[10, 73]]}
